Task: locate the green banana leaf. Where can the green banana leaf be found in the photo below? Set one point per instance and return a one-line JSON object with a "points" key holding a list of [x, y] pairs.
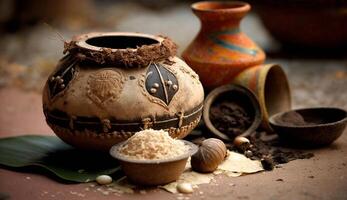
{"points": [[50, 153]]}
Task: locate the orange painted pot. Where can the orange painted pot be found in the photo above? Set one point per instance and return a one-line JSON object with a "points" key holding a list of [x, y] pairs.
{"points": [[221, 50], [269, 83]]}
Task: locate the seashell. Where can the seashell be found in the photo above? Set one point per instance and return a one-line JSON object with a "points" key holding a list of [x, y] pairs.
{"points": [[211, 153]]}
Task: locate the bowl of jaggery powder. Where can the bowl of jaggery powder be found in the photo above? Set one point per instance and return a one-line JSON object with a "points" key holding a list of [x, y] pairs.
{"points": [[153, 157]]}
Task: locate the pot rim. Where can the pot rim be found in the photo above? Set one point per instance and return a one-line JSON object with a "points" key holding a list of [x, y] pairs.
{"points": [[343, 120], [230, 7], [138, 57], [219, 91], [262, 99], [115, 154], [81, 40]]}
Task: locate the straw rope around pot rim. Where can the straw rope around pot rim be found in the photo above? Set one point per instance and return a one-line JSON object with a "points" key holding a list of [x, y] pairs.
{"points": [[138, 57]]}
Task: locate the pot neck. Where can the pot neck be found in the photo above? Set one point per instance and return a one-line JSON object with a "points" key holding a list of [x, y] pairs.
{"points": [[220, 26], [220, 15]]}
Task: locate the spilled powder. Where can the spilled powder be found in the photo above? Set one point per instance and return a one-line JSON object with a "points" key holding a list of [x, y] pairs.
{"points": [[117, 188], [191, 177], [234, 165]]}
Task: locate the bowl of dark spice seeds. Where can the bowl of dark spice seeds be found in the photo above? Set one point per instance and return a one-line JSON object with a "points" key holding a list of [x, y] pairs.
{"points": [[230, 111], [310, 127]]}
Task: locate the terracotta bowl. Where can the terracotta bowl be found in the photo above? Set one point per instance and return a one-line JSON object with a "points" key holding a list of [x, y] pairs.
{"points": [[328, 125], [305, 23], [153, 172], [234, 93]]}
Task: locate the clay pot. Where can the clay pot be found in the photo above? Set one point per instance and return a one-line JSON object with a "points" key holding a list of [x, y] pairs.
{"points": [[111, 85], [308, 23], [221, 50], [236, 94], [269, 83]]}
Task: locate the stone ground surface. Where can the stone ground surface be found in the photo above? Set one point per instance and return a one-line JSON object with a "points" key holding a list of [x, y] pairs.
{"points": [[315, 81]]}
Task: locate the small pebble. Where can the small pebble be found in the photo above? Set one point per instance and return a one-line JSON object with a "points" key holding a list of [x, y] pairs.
{"points": [[268, 163], [248, 153], [104, 179], [185, 188]]}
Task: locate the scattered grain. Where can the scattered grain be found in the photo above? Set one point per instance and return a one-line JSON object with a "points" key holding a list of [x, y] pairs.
{"points": [[104, 179]]}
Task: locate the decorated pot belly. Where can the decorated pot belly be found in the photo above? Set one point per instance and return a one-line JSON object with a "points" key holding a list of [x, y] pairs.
{"points": [[111, 85]]}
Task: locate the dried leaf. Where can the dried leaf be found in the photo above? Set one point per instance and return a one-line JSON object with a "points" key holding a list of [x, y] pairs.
{"points": [[236, 162]]}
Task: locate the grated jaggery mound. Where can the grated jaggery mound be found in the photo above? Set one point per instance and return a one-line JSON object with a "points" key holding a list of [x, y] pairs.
{"points": [[151, 145]]}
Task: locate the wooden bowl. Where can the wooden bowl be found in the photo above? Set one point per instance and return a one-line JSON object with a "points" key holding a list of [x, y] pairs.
{"points": [[327, 125], [153, 172], [234, 93]]}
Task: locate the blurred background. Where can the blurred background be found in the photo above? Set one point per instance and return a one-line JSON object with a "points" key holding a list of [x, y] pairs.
{"points": [[306, 37]]}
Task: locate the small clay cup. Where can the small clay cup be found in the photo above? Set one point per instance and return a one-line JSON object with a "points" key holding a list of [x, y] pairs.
{"points": [[329, 124], [269, 83], [237, 94], [153, 172]]}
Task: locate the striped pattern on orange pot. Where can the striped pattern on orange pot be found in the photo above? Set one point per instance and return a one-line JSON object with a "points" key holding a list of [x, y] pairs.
{"points": [[221, 50], [269, 83]]}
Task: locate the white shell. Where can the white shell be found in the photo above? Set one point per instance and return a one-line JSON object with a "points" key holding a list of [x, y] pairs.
{"points": [[104, 179], [185, 188]]}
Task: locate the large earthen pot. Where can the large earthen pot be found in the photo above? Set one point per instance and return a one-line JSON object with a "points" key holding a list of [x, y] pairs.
{"points": [[311, 24], [111, 85]]}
